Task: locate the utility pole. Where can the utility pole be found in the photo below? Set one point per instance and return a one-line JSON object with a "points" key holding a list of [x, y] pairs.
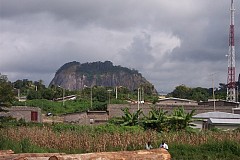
{"points": [[138, 98], [138, 102], [63, 96], [91, 97], [109, 99], [214, 104], [116, 92]]}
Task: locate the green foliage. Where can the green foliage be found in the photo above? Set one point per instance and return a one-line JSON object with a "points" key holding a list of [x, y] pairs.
{"points": [[221, 92], [212, 150], [102, 67], [181, 91], [199, 93], [57, 108], [156, 119], [24, 146], [99, 129], [6, 122], [100, 93], [130, 119], [67, 65], [179, 119], [118, 101], [6, 91]]}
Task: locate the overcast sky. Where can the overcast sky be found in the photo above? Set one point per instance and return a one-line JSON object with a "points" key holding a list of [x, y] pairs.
{"points": [[170, 42]]}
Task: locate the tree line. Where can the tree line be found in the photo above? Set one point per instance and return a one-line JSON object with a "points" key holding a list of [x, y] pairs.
{"points": [[9, 91], [31, 90], [199, 93]]}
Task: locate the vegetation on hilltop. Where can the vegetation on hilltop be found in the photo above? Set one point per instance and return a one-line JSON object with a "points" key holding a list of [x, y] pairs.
{"points": [[67, 65], [103, 67]]}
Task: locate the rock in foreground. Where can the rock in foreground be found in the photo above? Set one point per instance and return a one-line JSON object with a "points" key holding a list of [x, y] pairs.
{"points": [[159, 154]]}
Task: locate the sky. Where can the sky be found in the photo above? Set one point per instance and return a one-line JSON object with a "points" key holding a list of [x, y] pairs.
{"points": [[170, 42]]}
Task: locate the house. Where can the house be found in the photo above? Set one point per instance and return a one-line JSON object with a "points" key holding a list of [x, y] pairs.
{"points": [[217, 119], [225, 124], [86, 118], [29, 114]]}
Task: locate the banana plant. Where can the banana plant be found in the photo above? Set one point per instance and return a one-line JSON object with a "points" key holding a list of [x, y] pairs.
{"points": [[156, 119], [130, 119], [180, 119]]}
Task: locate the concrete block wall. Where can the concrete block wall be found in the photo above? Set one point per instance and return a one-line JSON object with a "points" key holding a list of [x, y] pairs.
{"points": [[115, 109], [80, 118]]}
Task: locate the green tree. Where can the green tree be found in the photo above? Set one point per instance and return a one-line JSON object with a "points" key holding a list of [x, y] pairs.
{"points": [[33, 94], [100, 93], [48, 93], [181, 92], [221, 92], [199, 94], [6, 91]]}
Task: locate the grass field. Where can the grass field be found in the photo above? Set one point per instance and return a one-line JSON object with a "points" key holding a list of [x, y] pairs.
{"points": [[83, 139]]}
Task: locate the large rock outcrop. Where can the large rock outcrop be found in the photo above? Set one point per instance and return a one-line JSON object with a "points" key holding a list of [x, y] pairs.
{"points": [[75, 76]]}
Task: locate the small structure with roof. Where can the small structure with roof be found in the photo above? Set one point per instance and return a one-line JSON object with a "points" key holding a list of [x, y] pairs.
{"points": [[220, 120], [29, 114], [219, 103], [225, 124], [176, 101]]}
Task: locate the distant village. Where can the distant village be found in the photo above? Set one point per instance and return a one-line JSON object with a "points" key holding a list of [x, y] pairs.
{"points": [[210, 114]]}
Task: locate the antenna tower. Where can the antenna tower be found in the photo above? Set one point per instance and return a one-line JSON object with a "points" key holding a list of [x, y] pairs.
{"points": [[231, 85]]}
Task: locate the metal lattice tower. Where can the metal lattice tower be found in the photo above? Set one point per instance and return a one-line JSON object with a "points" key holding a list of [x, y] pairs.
{"points": [[231, 85]]}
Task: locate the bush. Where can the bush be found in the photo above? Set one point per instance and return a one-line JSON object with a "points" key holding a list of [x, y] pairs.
{"points": [[212, 150], [24, 146]]}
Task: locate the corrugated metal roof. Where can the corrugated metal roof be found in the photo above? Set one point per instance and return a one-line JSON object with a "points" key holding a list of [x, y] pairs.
{"points": [[222, 115], [223, 121], [178, 99]]}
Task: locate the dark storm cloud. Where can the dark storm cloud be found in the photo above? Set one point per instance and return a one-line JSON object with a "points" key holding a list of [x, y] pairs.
{"points": [[169, 42], [139, 51]]}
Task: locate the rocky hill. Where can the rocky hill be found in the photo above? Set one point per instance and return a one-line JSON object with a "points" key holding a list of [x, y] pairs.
{"points": [[75, 76]]}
